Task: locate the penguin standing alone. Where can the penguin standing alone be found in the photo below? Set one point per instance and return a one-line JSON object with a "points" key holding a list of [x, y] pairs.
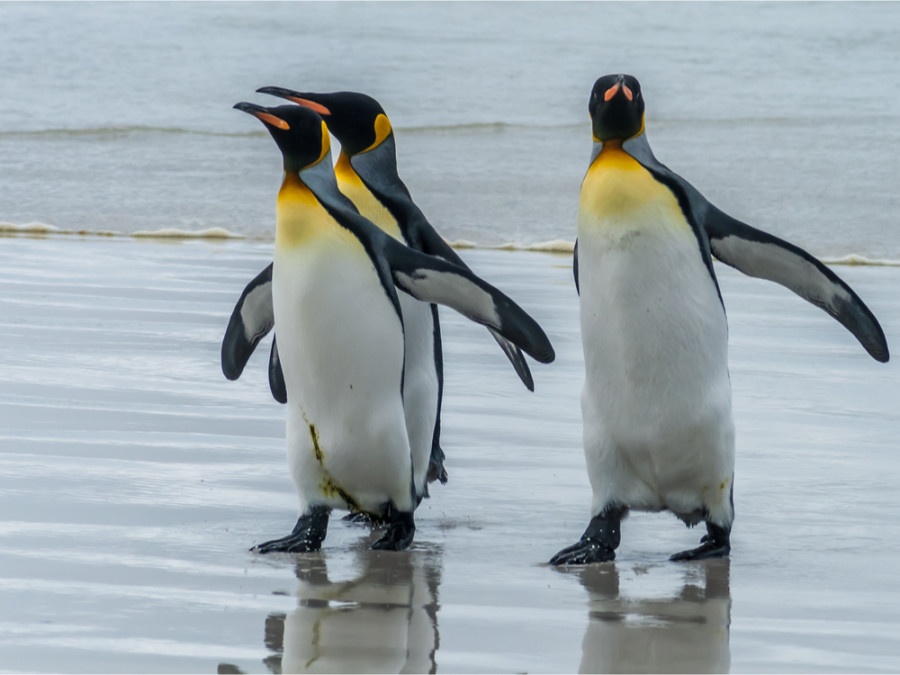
{"points": [[656, 404], [346, 433], [367, 174]]}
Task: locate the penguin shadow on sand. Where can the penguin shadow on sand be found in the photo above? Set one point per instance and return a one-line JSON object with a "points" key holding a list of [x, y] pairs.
{"points": [[383, 619], [683, 632]]}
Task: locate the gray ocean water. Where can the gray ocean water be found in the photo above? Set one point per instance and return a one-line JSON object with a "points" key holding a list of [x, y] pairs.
{"points": [[117, 116]]}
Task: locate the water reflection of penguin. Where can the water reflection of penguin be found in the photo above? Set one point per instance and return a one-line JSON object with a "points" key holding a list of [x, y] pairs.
{"points": [[383, 620], [686, 633]]}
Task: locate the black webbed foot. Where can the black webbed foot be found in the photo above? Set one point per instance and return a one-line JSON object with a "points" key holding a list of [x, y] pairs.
{"points": [[583, 552], [599, 541], [307, 536], [715, 544], [364, 518], [399, 534]]}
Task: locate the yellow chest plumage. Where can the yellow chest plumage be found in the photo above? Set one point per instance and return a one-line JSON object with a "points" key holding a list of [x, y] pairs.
{"points": [[301, 219], [619, 194], [365, 202]]}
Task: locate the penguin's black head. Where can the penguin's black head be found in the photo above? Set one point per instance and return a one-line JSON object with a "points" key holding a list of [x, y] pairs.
{"points": [[300, 133], [617, 108], [358, 121]]}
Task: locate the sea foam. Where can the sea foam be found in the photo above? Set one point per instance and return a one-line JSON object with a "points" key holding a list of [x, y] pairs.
{"points": [[176, 233], [563, 246], [37, 228]]}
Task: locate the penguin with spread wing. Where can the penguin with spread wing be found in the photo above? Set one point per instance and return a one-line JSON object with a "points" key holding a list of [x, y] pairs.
{"points": [[656, 403]]}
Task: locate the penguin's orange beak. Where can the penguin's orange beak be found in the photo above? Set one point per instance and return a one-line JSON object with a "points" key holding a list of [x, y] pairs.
{"points": [[318, 107], [274, 121], [263, 115], [294, 97], [613, 90]]}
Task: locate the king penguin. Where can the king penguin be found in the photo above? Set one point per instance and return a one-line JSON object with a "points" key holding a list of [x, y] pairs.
{"points": [[656, 403], [367, 174], [334, 272]]}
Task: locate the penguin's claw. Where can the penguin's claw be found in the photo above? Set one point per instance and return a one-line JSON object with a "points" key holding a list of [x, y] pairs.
{"points": [[399, 534], [294, 543], [363, 518], [584, 552], [703, 552], [716, 543], [306, 537]]}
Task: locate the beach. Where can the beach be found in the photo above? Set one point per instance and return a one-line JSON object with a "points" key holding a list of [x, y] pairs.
{"points": [[136, 204], [134, 478]]}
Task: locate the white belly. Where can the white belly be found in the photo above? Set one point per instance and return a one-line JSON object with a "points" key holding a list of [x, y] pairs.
{"points": [[341, 346], [420, 383], [656, 402]]}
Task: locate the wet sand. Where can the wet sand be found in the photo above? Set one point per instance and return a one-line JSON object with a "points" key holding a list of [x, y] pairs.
{"points": [[134, 477]]}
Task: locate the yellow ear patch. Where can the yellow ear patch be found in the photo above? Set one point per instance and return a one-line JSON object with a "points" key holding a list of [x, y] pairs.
{"points": [[382, 127]]}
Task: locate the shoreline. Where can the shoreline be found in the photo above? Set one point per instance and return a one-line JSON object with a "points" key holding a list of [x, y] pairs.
{"points": [[39, 231]]}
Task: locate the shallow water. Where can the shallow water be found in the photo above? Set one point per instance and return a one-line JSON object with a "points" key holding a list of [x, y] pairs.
{"points": [[134, 477]]}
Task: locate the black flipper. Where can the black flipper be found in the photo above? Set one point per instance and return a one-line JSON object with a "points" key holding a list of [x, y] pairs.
{"points": [[432, 243], [252, 319], [276, 376], [516, 358], [575, 267], [759, 254], [436, 470], [431, 279]]}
